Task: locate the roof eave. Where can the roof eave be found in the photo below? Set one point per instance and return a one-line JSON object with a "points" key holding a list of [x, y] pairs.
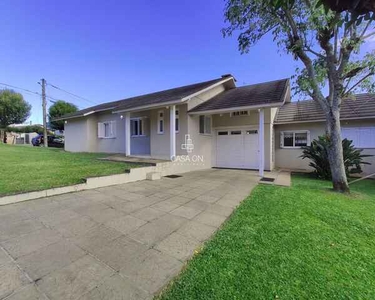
{"points": [[232, 109], [83, 115], [149, 106], [67, 118], [208, 88], [184, 99], [322, 120]]}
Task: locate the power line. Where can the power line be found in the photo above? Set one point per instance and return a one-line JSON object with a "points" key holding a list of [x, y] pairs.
{"points": [[16, 87], [72, 94], [26, 90]]}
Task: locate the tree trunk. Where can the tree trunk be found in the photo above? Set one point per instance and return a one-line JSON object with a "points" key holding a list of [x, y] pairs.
{"points": [[335, 153]]}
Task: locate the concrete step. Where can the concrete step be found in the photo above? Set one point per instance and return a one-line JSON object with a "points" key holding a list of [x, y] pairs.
{"points": [[153, 176]]}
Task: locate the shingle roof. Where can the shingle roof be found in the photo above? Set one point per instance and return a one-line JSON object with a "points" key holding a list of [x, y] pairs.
{"points": [[360, 106], [272, 92], [160, 97]]}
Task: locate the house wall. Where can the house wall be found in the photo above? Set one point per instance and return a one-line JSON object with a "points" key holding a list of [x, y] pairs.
{"points": [[160, 143], [203, 144], [76, 135], [108, 145], [290, 158], [141, 145]]}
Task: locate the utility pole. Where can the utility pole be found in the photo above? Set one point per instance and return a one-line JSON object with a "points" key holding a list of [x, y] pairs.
{"points": [[45, 137]]}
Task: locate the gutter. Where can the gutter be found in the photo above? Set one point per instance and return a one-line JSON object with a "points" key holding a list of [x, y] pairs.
{"points": [[83, 115], [322, 120], [150, 106], [231, 109]]}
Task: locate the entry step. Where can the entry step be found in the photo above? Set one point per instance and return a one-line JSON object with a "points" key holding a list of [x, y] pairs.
{"points": [[153, 176]]}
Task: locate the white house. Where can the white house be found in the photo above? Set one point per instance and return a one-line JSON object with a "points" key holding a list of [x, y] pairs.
{"points": [[249, 127]]}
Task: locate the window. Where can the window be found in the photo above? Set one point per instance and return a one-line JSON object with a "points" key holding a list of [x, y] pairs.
{"points": [[177, 121], [205, 124], [251, 131], [294, 139], [107, 130], [237, 132], [241, 113], [161, 122], [222, 133], [136, 127], [362, 137]]}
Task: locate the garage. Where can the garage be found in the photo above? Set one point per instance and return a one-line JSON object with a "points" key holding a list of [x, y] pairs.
{"points": [[237, 148]]}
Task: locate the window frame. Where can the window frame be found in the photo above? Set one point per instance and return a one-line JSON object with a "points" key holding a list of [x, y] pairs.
{"points": [[140, 127], [102, 130], [177, 122], [282, 133], [206, 117], [160, 119]]}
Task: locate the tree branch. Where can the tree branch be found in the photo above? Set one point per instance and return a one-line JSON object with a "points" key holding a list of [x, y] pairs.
{"points": [[296, 41], [368, 35], [336, 43], [359, 82], [308, 49], [365, 29], [347, 49]]}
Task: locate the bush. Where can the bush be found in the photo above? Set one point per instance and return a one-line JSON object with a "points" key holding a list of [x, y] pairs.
{"points": [[317, 153], [26, 129]]}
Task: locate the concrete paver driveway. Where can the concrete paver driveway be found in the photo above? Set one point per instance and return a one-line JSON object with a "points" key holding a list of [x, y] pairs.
{"points": [[120, 242]]}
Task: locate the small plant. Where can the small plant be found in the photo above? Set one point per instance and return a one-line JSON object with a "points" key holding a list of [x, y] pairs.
{"points": [[317, 153]]}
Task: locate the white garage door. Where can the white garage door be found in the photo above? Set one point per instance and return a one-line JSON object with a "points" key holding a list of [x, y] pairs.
{"points": [[237, 149]]}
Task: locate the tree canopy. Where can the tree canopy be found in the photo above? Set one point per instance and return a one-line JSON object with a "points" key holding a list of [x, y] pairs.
{"points": [[58, 109], [13, 108], [329, 44]]}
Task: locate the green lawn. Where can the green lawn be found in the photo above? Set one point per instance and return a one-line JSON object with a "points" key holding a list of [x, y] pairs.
{"points": [[26, 169], [303, 242]]}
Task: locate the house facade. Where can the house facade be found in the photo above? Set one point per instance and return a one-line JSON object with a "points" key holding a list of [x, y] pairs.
{"points": [[210, 124]]}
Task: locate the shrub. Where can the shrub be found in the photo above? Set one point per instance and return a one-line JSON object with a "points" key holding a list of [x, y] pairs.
{"points": [[317, 153]]}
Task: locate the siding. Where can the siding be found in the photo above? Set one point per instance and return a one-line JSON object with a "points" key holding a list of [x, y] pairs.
{"points": [[76, 135], [290, 158], [109, 145]]}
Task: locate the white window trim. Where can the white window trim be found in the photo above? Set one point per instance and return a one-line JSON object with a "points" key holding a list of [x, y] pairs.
{"points": [[234, 116], [178, 118], [143, 128], [101, 130], [204, 127], [160, 119], [294, 134]]}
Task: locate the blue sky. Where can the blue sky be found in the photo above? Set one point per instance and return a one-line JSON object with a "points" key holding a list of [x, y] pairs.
{"points": [[109, 50]]}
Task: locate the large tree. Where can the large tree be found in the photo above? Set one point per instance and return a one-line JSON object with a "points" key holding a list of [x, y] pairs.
{"points": [[326, 42], [358, 6], [58, 109], [13, 109]]}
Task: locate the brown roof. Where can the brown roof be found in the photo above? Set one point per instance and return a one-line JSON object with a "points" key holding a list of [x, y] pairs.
{"points": [[161, 97], [360, 106], [265, 93]]}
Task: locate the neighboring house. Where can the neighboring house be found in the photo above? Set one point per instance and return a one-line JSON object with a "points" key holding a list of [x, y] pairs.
{"points": [[214, 124]]}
